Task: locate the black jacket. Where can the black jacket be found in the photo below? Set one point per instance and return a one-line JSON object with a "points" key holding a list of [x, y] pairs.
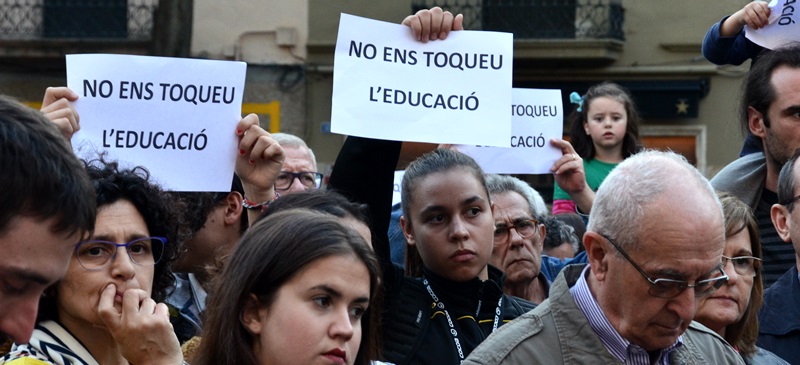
{"points": [[412, 332]]}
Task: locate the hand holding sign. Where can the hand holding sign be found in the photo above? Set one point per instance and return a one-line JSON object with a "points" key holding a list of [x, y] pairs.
{"points": [[779, 29], [433, 24], [57, 107], [259, 161]]}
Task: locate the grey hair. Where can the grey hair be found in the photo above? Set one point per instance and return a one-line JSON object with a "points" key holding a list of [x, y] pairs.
{"points": [[499, 184], [624, 196], [290, 140], [786, 182]]}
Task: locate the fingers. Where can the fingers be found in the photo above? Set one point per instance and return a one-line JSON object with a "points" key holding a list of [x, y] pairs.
{"points": [[756, 14], [432, 24], [52, 94], [255, 143], [569, 159], [105, 308]]}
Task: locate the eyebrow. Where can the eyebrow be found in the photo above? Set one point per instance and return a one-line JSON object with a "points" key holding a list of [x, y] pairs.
{"points": [[436, 208], [792, 110], [336, 294], [513, 221], [111, 238], [27, 275]]}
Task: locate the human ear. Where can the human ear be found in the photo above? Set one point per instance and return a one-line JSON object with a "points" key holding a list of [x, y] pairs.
{"points": [[233, 208], [252, 313], [597, 254], [781, 220], [407, 232], [755, 121]]}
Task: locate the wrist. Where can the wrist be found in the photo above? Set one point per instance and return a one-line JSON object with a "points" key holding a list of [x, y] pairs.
{"points": [[259, 205]]}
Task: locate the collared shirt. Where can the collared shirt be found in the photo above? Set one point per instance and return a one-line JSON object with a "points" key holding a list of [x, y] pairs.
{"points": [[619, 347]]}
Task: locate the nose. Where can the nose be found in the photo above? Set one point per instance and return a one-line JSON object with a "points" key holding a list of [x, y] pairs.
{"points": [[733, 276], [458, 229], [343, 325], [18, 321], [295, 186], [684, 305], [122, 266], [515, 239]]}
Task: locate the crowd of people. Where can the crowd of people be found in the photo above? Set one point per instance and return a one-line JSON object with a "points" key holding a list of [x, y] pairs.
{"points": [[642, 260]]}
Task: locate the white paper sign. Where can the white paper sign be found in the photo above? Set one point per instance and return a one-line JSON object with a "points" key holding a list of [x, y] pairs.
{"points": [[537, 117], [782, 27], [387, 85], [398, 183], [177, 117]]}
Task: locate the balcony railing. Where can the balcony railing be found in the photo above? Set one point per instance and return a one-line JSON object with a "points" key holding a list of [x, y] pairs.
{"points": [[70, 19], [539, 19]]}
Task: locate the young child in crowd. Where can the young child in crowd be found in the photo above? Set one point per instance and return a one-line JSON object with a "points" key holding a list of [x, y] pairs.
{"points": [[605, 131]]}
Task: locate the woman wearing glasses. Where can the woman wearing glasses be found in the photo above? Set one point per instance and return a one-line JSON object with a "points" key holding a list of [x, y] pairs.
{"points": [[105, 309], [732, 310]]}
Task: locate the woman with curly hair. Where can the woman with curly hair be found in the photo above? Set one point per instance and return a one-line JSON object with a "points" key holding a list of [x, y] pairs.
{"points": [[106, 309]]}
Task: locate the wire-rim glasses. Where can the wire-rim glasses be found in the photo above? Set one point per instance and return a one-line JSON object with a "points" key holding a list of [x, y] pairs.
{"points": [[309, 180], [670, 288], [97, 254], [743, 265], [526, 228]]}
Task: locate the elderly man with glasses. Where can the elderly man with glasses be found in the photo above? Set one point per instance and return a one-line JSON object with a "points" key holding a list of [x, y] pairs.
{"points": [[654, 244], [779, 319], [299, 172]]}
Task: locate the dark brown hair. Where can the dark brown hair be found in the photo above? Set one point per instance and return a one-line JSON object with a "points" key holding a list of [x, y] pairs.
{"points": [[270, 253], [738, 217], [582, 142]]}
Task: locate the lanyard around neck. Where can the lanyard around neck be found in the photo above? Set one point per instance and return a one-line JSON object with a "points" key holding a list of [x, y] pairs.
{"points": [[438, 304]]}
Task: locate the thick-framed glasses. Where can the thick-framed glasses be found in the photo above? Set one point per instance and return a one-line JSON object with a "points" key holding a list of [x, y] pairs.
{"points": [[743, 265], [525, 228], [310, 180], [670, 288], [95, 255]]}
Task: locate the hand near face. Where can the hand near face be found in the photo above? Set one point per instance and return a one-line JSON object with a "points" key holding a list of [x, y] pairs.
{"points": [[140, 327], [57, 107], [433, 24], [259, 161], [570, 176]]}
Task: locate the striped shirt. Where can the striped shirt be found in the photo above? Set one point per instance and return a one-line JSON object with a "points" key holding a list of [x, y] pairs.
{"points": [[619, 347]]}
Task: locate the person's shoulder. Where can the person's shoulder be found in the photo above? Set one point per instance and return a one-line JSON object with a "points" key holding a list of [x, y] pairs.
{"points": [[517, 336], [710, 346], [764, 357], [746, 164], [25, 355]]}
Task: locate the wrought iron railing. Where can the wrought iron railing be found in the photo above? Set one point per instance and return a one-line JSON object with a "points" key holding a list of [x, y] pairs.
{"points": [[86, 19], [534, 19]]}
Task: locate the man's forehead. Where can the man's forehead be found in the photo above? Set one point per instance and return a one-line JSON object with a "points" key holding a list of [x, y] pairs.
{"points": [[297, 159]]}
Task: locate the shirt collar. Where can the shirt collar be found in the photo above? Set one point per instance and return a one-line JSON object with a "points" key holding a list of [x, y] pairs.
{"points": [[618, 346]]}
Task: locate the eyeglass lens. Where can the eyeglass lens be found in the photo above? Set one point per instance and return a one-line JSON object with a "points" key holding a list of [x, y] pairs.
{"points": [[145, 251]]}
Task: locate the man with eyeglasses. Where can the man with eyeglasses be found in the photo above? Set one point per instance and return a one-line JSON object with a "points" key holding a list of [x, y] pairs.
{"points": [[518, 239], [654, 244], [299, 171], [769, 110], [779, 318]]}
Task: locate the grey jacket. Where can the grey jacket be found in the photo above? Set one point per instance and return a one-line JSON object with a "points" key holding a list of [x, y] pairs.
{"points": [[744, 178], [557, 332]]}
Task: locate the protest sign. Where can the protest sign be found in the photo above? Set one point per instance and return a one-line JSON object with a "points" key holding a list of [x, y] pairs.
{"points": [[782, 27], [398, 183], [176, 117], [537, 117], [387, 85]]}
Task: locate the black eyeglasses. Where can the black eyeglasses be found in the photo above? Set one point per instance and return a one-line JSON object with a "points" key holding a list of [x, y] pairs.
{"points": [[525, 228], [309, 180], [95, 255], [670, 288]]}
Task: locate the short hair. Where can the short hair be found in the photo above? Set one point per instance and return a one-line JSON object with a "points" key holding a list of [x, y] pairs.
{"points": [[786, 182], [271, 253], [325, 201], [500, 184], [162, 213], [757, 90], [738, 217], [290, 140], [436, 161], [200, 204], [558, 233], [582, 142], [626, 193], [42, 178]]}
